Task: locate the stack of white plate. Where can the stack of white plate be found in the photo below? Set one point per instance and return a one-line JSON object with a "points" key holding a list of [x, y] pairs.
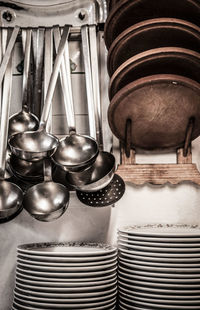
{"points": [[159, 267], [65, 276]]}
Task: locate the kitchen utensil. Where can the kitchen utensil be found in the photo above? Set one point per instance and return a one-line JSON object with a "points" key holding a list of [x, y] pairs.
{"points": [[39, 144], [127, 13], [11, 195], [164, 60], [149, 34], [74, 152], [26, 170], [24, 120], [151, 105], [46, 201]]}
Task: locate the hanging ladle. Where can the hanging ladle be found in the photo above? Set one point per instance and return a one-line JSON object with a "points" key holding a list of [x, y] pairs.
{"points": [[102, 171], [11, 195], [24, 120], [36, 145], [75, 152]]}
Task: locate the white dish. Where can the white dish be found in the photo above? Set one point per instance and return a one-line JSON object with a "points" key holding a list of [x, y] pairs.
{"points": [[109, 307], [49, 302], [58, 297], [65, 269], [66, 275], [124, 249], [63, 259], [66, 264], [65, 285], [112, 274], [67, 249], [159, 249], [99, 306]]}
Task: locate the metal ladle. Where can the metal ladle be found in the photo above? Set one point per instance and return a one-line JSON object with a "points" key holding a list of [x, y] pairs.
{"points": [[75, 152], [11, 196], [48, 200], [36, 145], [102, 171], [24, 120]]}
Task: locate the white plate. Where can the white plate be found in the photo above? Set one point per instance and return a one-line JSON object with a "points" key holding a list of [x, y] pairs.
{"points": [[166, 245], [159, 282], [163, 230], [70, 259], [112, 274], [158, 250], [157, 254], [99, 306], [109, 307], [163, 270], [59, 297], [65, 285], [47, 302], [171, 276], [66, 264], [60, 290], [66, 275], [65, 269], [158, 264], [67, 249]]}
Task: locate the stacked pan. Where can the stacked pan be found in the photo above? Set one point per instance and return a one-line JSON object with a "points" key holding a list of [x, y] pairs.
{"points": [[153, 62], [65, 276], [159, 267]]}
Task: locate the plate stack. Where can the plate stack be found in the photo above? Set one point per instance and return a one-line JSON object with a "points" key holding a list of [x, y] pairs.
{"points": [[159, 267], [65, 276]]}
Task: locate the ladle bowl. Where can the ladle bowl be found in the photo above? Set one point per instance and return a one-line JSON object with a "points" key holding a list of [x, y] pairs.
{"points": [[10, 199], [23, 121]]}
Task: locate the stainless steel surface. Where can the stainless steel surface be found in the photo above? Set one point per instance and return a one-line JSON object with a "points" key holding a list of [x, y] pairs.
{"points": [[48, 200], [75, 152], [39, 144], [11, 195], [24, 120]]}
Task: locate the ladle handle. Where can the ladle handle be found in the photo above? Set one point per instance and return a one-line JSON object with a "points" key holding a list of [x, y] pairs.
{"points": [[4, 119], [88, 79], [54, 76], [65, 76], [47, 168], [26, 36], [7, 55]]}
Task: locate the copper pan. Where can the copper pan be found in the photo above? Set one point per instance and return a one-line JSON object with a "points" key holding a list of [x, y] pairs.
{"points": [[164, 60], [127, 13], [159, 109], [149, 34]]}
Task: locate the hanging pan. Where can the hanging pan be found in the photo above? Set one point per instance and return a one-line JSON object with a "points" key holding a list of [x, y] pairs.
{"points": [[149, 34], [164, 60], [159, 108], [127, 13]]}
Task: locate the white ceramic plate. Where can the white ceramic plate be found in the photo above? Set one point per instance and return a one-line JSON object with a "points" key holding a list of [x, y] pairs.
{"points": [[66, 275], [171, 276], [47, 302], [163, 230], [167, 245], [65, 269], [109, 307], [158, 249], [63, 259], [79, 279], [65, 285], [129, 250], [67, 249], [157, 264], [99, 306], [66, 264], [126, 253], [164, 270], [62, 296]]}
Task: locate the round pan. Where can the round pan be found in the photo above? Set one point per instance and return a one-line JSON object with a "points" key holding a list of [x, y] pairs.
{"points": [[127, 13], [159, 108], [164, 60], [149, 34]]}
